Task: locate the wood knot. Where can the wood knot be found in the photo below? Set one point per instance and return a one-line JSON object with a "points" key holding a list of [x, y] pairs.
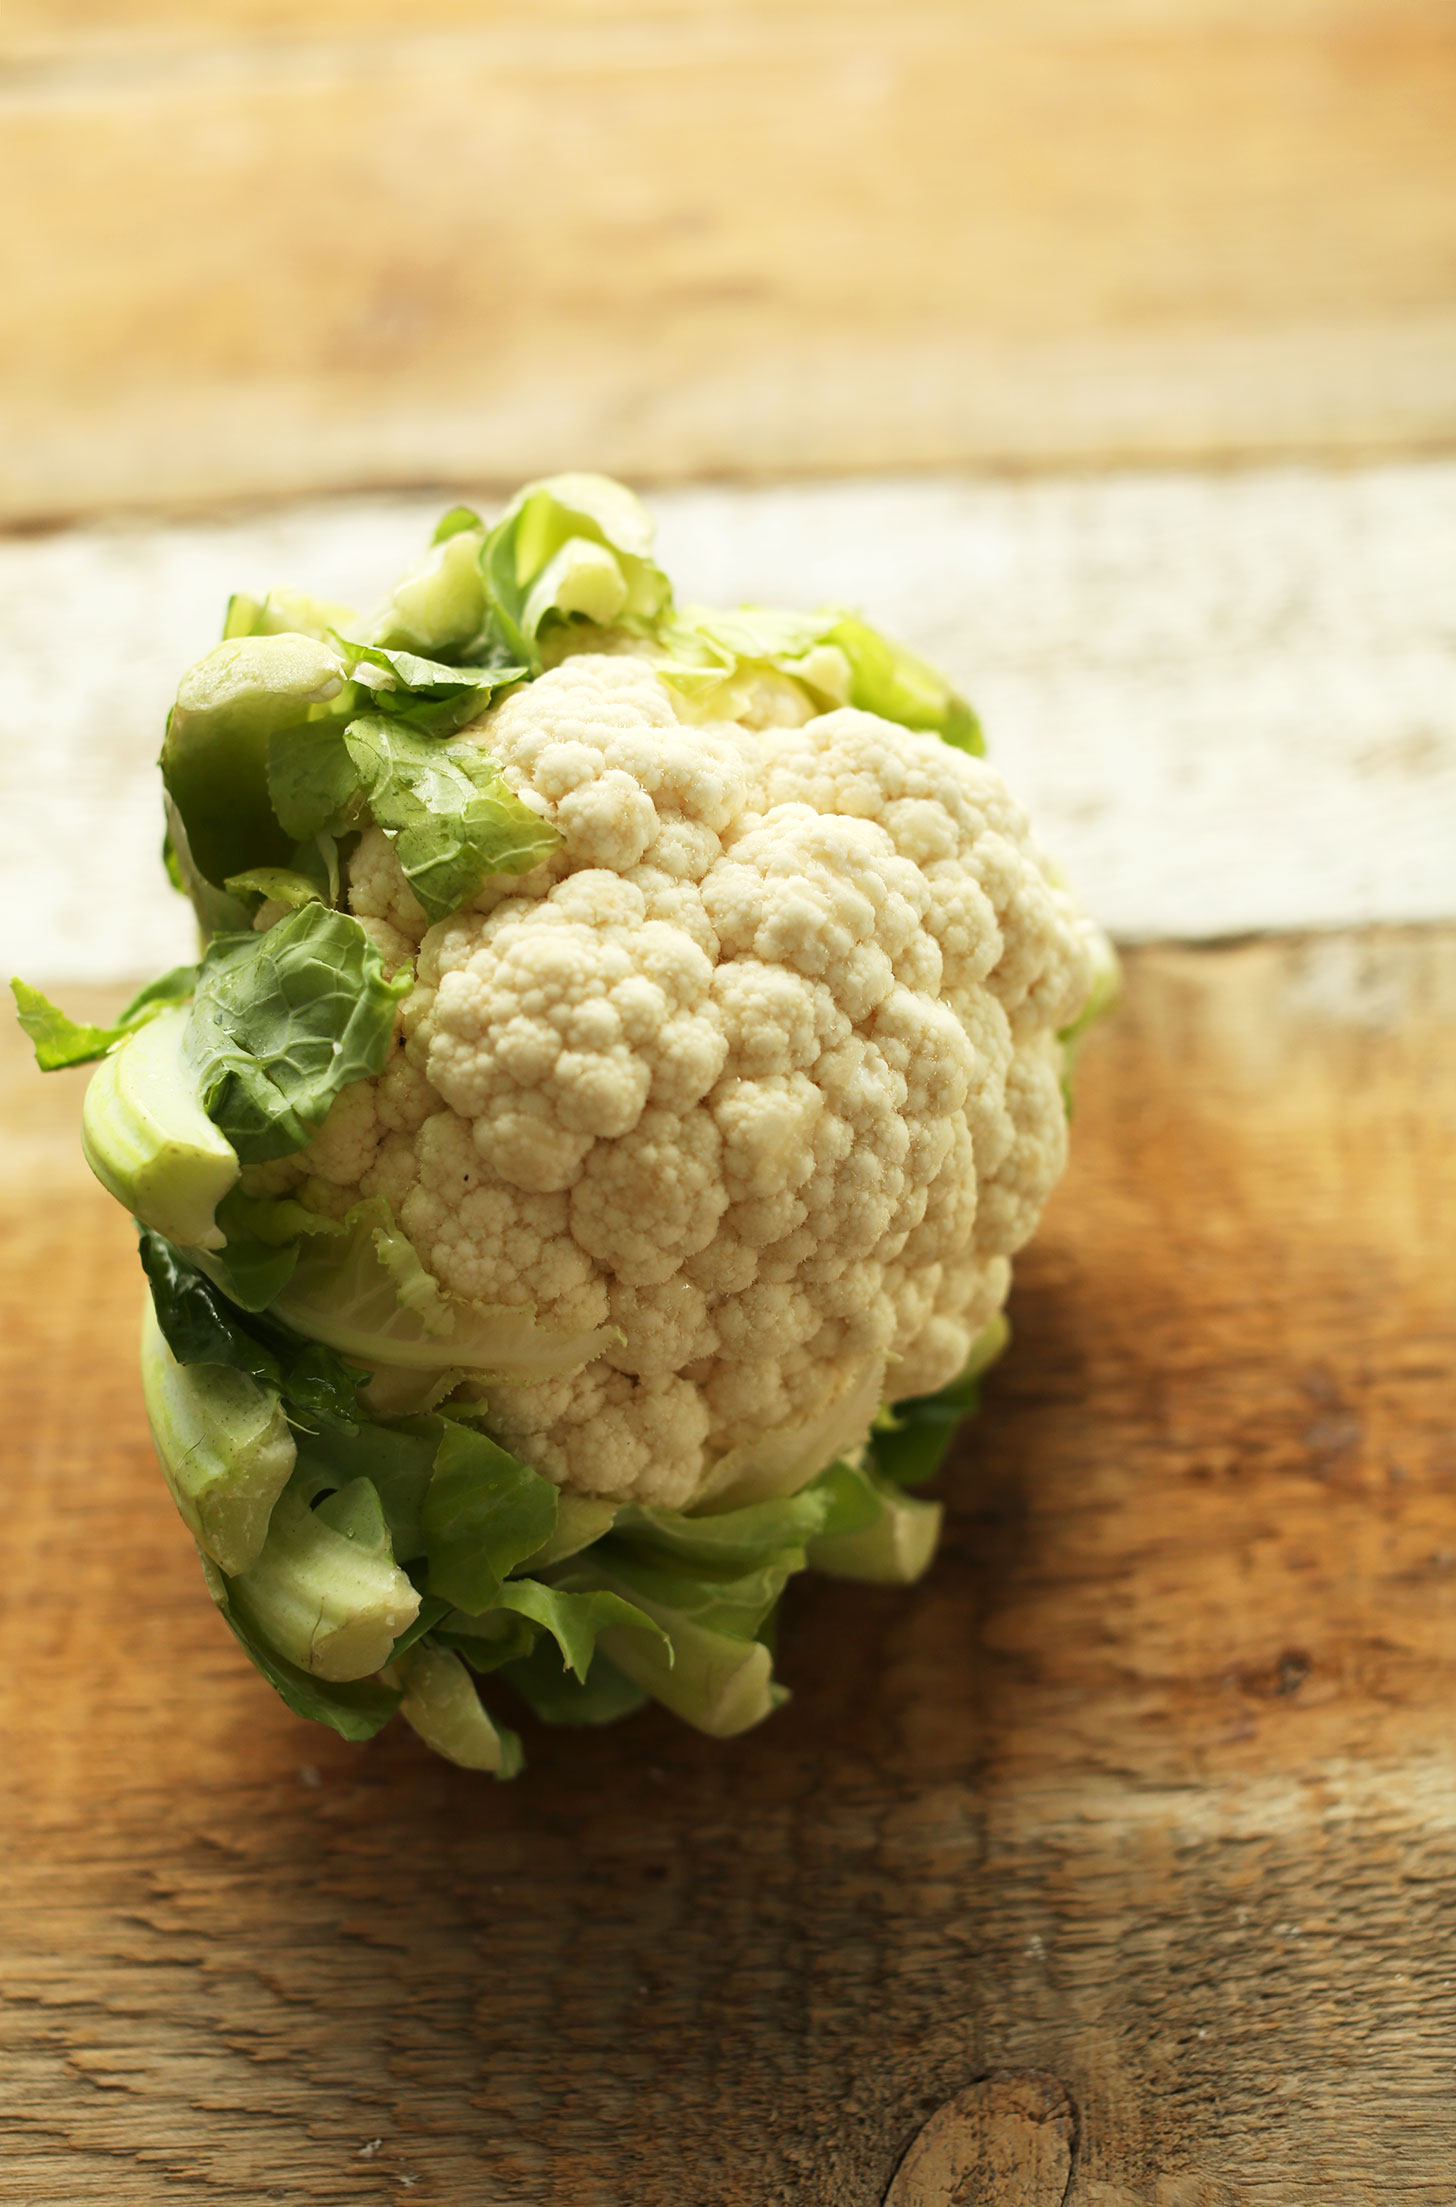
{"points": [[1007, 2141]]}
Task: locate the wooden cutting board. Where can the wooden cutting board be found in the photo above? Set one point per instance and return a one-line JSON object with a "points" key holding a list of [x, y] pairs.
{"points": [[1114, 1864]]}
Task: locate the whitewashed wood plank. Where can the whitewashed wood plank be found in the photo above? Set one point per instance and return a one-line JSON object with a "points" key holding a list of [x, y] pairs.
{"points": [[1230, 700]]}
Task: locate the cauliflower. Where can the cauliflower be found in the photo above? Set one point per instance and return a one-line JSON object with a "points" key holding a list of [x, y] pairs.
{"points": [[629, 1051], [760, 1069]]}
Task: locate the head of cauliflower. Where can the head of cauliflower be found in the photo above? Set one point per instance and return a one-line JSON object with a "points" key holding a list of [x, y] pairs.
{"points": [[626, 1051], [760, 1071]]}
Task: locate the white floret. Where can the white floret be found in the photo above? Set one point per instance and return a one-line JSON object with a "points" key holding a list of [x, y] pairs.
{"points": [[759, 1069], [379, 891], [344, 1147]]}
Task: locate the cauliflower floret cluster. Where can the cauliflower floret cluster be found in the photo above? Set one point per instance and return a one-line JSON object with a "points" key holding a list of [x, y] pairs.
{"points": [[759, 1069]]}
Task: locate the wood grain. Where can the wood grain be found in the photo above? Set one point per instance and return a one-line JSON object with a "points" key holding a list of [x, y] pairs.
{"points": [[274, 250], [1149, 1789]]}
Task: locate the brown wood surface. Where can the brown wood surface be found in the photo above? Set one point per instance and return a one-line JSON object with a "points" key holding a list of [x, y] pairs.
{"points": [[259, 248], [1126, 1839]]}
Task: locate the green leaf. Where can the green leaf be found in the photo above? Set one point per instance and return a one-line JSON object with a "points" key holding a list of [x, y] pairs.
{"points": [[850, 1506], [731, 1539], [431, 1612], [355, 1709], [285, 612], [282, 1021], [441, 1704], [718, 1672], [313, 785], [769, 633], [252, 1274], [453, 816], [488, 1642], [275, 885], [427, 695], [215, 753], [909, 1444], [912, 1449], [719, 1682], [574, 1620], [721, 1598], [224, 1444], [324, 1592], [355, 1511], [317, 860], [60, 1041], [438, 606], [241, 617], [398, 1460], [887, 679], [452, 523], [276, 1220], [484, 1513], [215, 910], [580, 1520], [553, 1695], [581, 577], [443, 715], [148, 1140], [406, 670], [317, 1384], [200, 1326], [838, 657], [264, 1238], [879, 1534], [570, 544], [396, 1391]]}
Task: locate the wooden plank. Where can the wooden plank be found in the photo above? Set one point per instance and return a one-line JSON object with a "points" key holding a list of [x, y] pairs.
{"points": [[1145, 1799], [1227, 700], [64, 29], [716, 239]]}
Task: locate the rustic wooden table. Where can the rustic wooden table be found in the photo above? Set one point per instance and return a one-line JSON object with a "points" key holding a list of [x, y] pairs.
{"points": [[1114, 1865], [1133, 1824]]}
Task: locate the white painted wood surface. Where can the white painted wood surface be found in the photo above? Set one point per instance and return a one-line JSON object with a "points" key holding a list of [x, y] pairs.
{"points": [[1230, 701]]}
